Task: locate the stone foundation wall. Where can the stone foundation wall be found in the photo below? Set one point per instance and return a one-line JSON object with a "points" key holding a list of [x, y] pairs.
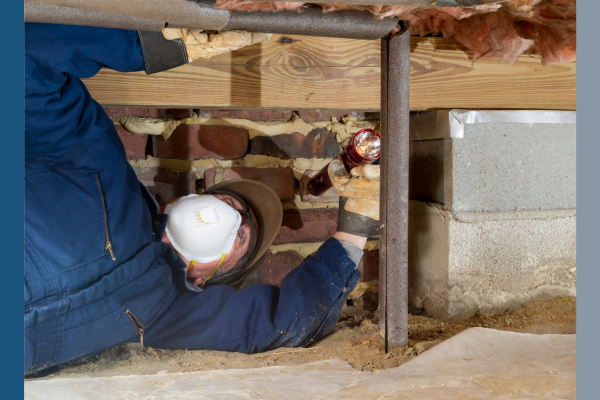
{"points": [[178, 152], [492, 215]]}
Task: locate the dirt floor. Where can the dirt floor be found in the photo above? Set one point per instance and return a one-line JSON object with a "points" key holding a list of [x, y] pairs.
{"points": [[355, 340]]}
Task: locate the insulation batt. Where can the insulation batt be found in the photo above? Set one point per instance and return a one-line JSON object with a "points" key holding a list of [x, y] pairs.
{"points": [[501, 31], [200, 44]]}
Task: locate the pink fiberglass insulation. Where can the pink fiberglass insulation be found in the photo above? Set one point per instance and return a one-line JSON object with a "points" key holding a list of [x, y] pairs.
{"points": [[501, 31]]}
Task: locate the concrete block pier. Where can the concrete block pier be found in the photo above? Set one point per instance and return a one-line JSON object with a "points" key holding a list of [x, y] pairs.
{"points": [[492, 216]]}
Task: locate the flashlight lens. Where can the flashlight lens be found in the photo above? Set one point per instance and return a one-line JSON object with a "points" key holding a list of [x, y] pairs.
{"points": [[367, 144]]}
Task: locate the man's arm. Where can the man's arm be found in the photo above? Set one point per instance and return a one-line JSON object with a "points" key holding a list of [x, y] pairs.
{"points": [[263, 317], [358, 241], [59, 111]]}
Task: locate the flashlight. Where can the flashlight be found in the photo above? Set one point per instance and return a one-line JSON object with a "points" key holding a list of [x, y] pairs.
{"points": [[363, 148]]}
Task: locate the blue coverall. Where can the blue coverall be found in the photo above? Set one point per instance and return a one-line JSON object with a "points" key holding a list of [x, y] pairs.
{"points": [[80, 193]]}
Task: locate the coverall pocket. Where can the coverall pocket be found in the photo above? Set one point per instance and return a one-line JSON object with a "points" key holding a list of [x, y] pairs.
{"points": [[96, 336], [65, 218]]}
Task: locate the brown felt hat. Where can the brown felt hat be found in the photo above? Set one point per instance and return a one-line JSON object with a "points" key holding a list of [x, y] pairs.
{"points": [[266, 206]]}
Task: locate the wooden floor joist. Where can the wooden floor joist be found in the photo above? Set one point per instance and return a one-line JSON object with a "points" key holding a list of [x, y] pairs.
{"points": [[309, 72]]}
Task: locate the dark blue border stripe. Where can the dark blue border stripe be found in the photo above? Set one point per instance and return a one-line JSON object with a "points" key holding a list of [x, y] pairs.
{"points": [[11, 164]]}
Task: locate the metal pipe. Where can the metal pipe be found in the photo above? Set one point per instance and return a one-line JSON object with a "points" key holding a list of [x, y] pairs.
{"points": [[35, 12], [187, 13], [351, 24], [393, 217]]}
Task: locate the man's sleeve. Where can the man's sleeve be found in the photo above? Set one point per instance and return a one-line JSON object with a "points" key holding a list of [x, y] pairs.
{"points": [[81, 51], [59, 111], [262, 317]]}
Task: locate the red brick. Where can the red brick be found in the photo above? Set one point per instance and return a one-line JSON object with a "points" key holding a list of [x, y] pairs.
{"points": [[330, 195], [325, 115], [281, 180], [254, 115], [192, 142], [322, 115], [149, 112], [368, 301], [126, 111], [307, 226], [274, 269], [171, 112], [369, 266], [319, 143], [165, 185], [135, 143]]}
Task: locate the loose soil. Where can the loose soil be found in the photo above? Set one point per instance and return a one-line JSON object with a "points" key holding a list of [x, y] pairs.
{"points": [[355, 340]]}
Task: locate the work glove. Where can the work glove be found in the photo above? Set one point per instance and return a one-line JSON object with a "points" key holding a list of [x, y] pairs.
{"points": [[359, 198], [201, 44], [174, 47]]}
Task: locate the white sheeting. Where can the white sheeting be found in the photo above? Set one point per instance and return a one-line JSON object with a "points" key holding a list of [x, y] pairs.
{"points": [[478, 363]]}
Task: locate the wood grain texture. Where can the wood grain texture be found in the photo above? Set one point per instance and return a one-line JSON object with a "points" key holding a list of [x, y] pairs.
{"points": [[308, 72]]}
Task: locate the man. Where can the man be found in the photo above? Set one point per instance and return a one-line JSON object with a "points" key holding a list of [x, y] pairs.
{"points": [[104, 265]]}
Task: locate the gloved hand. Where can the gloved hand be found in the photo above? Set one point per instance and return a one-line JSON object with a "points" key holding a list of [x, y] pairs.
{"points": [[359, 198], [201, 44]]}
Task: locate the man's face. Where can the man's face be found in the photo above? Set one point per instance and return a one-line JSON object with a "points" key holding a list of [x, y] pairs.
{"points": [[198, 273]]}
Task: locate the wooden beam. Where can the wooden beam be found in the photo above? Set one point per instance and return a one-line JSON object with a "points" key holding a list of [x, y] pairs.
{"points": [[309, 72]]}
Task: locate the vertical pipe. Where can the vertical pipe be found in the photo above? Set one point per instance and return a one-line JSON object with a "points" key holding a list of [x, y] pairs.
{"points": [[393, 231]]}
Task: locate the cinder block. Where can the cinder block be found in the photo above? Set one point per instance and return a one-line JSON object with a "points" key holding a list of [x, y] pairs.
{"points": [[274, 269], [254, 115], [469, 262], [134, 143], [307, 226], [494, 160], [281, 180], [319, 143], [193, 142], [165, 185], [149, 112], [330, 195]]}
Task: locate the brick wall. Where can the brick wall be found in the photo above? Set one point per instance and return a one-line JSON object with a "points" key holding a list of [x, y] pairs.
{"points": [[210, 146]]}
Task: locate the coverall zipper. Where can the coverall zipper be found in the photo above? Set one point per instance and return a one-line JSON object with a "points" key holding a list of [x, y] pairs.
{"points": [[108, 244], [137, 325]]}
